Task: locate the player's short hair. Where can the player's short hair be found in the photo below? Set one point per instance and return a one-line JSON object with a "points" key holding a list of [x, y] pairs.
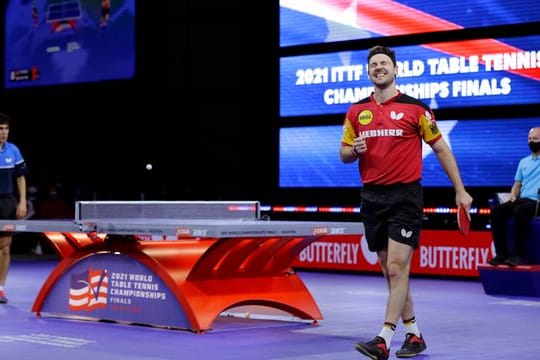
{"points": [[4, 119], [379, 49]]}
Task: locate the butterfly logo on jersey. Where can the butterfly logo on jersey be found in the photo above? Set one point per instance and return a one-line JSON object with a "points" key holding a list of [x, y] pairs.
{"points": [[395, 116]]}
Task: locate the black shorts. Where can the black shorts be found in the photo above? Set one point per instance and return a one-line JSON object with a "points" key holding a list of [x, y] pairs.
{"points": [[8, 210], [392, 211]]}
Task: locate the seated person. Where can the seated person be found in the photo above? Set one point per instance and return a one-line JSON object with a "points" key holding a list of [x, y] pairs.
{"points": [[522, 206], [53, 206]]}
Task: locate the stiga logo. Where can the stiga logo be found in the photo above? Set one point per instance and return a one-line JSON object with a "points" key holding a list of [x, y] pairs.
{"points": [[8, 227], [183, 232], [365, 117], [320, 230]]}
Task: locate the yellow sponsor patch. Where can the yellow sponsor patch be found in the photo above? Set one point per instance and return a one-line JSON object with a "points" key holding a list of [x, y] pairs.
{"points": [[365, 117]]}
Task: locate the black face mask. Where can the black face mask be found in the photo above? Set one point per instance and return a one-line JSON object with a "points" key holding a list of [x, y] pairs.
{"points": [[534, 146]]}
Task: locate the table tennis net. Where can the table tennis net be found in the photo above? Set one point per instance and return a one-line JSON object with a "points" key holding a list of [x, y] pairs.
{"points": [[102, 210]]}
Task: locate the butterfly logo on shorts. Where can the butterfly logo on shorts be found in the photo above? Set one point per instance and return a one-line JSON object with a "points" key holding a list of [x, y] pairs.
{"points": [[406, 234]]}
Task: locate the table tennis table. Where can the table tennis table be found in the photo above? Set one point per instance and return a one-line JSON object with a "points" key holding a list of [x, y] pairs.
{"points": [[63, 14], [175, 264]]}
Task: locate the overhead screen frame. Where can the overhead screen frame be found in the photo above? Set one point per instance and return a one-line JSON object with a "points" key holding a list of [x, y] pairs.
{"points": [[80, 51], [524, 109], [309, 154], [306, 22], [452, 74]]}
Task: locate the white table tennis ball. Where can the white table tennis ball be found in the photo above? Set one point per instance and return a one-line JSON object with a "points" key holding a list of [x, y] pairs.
{"points": [[148, 166]]}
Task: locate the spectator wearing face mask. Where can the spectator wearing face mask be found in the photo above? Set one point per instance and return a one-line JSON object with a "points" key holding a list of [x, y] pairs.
{"points": [[521, 206]]}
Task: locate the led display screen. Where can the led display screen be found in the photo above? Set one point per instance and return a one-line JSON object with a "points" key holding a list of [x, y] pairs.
{"points": [[469, 73], [53, 42], [324, 21], [487, 152]]}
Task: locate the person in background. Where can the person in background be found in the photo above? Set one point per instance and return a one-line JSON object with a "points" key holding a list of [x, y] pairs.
{"points": [[384, 134], [35, 14], [522, 206], [12, 185], [105, 12], [31, 194], [53, 205]]}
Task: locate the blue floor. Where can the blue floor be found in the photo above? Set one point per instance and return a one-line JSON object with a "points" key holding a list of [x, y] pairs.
{"points": [[458, 321]]}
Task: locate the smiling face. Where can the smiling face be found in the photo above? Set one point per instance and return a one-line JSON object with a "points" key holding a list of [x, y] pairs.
{"points": [[382, 71]]}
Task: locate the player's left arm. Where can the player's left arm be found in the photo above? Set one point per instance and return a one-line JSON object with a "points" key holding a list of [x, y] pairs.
{"points": [[21, 189], [448, 163], [431, 134]]}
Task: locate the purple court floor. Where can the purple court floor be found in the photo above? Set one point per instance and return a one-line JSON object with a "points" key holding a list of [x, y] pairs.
{"points": [[458, 321]]}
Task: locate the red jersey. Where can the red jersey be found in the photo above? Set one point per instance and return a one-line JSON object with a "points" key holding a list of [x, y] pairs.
{"points": [[394, 131]]}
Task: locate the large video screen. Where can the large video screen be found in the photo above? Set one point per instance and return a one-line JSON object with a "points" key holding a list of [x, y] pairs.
{"points": [[323, 21], [487, 152], [53, 42], [470, 73]]}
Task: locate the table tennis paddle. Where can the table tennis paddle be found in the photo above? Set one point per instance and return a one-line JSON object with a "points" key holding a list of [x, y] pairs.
{"points": [[463, 220]]}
